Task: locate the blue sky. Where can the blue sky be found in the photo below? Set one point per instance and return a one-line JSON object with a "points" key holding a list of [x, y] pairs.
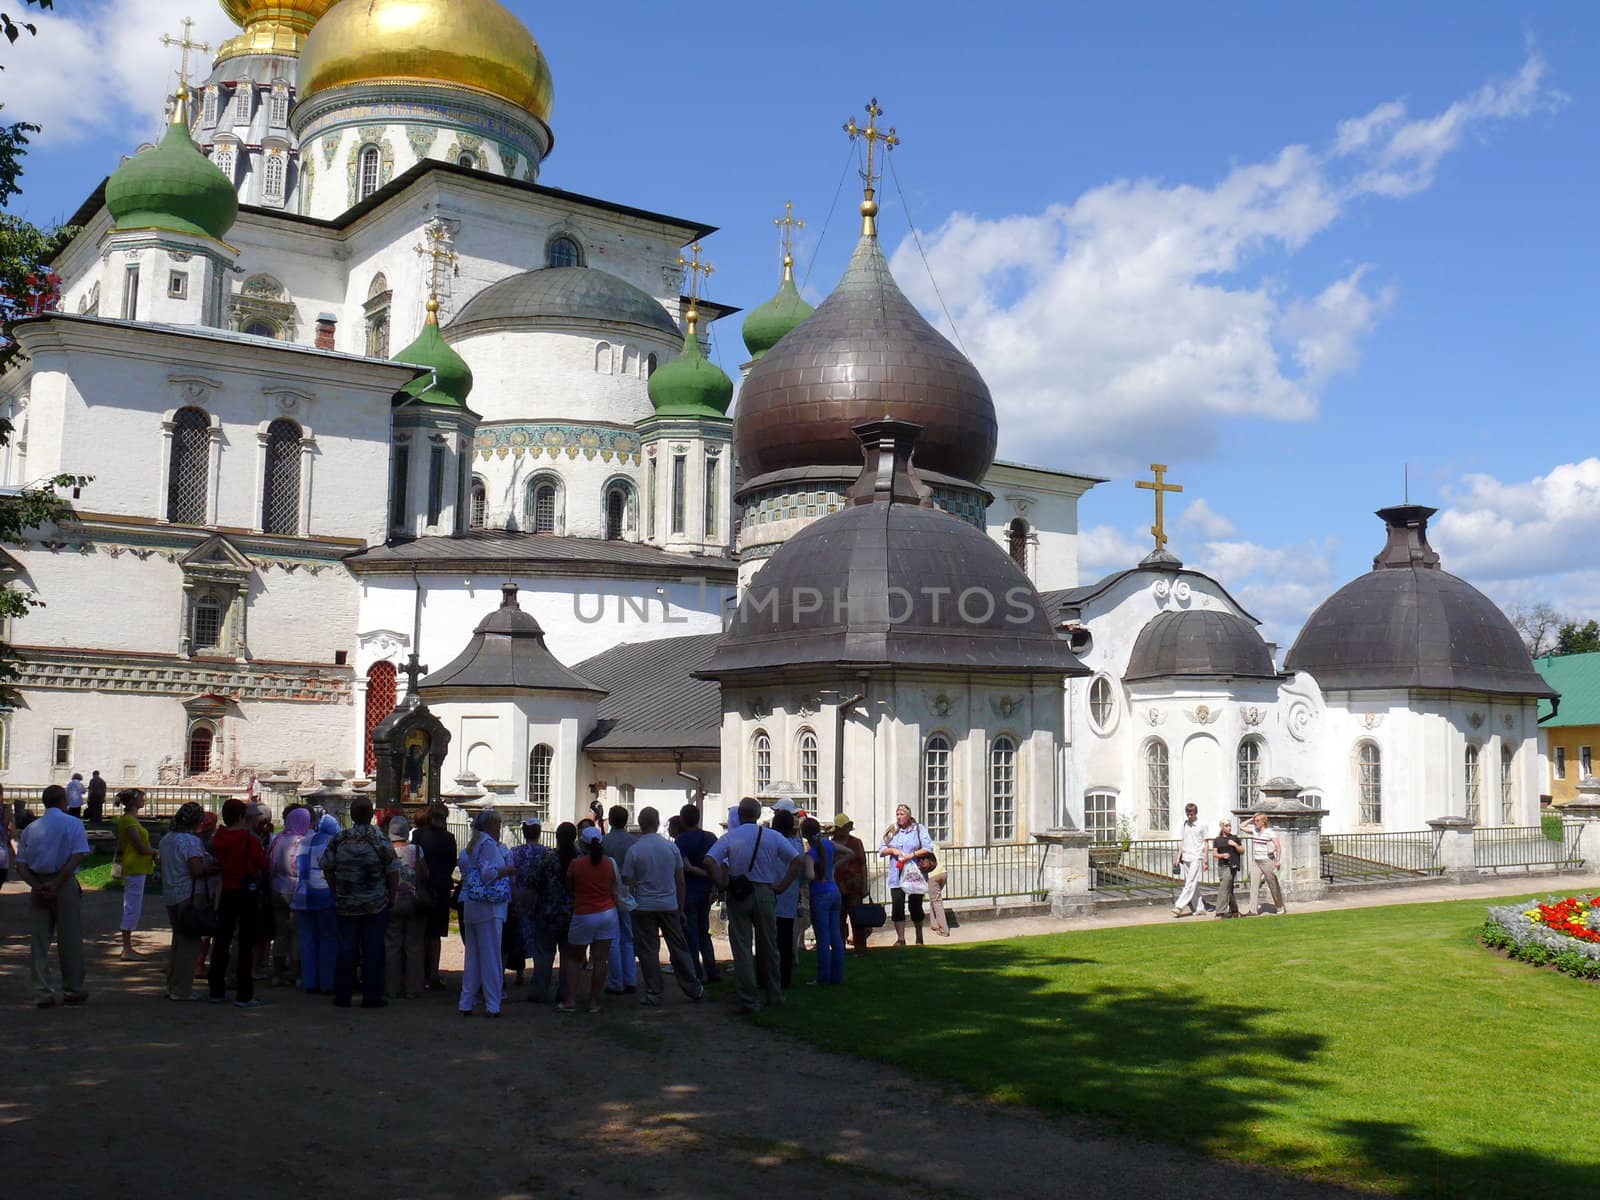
{"points": [[1284, 250]]}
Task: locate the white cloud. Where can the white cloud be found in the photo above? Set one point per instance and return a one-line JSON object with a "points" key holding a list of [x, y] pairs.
{"points": [[1123, 317], [1198, 517], [1523, 531], [99, 68]]}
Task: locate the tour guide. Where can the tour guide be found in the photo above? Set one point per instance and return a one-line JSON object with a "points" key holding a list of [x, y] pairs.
{"points": [[752, 865]]}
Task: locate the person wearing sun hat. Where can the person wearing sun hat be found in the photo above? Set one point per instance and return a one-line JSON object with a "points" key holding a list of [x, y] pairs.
{"points": [[850, 875]]}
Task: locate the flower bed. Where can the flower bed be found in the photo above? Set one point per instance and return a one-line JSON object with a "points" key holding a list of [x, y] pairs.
{"points": [[1561, 932]]}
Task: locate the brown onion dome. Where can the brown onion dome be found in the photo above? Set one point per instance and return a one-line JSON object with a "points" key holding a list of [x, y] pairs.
{"points": [[865, 352]]}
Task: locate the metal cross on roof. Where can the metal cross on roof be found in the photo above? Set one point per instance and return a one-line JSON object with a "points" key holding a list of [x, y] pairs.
{"points": [[1160, 487], [187, 43], [872, 135], [438, 246], [696, 270], [787, 224], [413, 671]]}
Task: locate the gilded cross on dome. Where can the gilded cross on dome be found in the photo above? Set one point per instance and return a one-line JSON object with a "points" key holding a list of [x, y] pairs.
{"points": [[872, 135], [438, 246], [696, 270], [187, 43], [787, 224], [1160, 487]]}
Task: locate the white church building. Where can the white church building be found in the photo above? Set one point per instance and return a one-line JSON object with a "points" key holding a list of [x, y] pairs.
{"points": [[358, 390]]}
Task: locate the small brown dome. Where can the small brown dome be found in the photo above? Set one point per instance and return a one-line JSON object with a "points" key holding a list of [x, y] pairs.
{"points": [[865, 353]]}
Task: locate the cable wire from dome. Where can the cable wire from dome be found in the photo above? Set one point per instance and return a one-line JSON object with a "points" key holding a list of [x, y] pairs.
{"points": [[926, 265], [853, 156]]}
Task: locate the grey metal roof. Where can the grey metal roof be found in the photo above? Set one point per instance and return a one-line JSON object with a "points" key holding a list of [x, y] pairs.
{"points": [[491, 549], [891, 581], [576, 293], [656, 702], [865, 352], [1064, 603], [1199, 642], [1409, 624], [507, 653]]}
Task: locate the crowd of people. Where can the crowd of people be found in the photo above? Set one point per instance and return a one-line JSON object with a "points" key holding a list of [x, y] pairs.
{"points": [[337, 910]]}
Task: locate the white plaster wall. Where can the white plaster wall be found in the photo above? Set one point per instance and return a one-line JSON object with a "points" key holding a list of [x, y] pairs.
{"points": [[1053, 530], [584, 485], [510, 728], [563, 374]]}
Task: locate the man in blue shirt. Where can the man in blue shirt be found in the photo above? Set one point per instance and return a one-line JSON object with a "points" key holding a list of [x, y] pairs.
{"points": [[48, 855], [693, 843], [752, 864]]}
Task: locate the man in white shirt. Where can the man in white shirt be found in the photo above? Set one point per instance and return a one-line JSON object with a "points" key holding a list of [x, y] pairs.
{"points": [[75, 796], [48, 855], [1266, 853], [752, 865], [653, 871], [1191, 863]]}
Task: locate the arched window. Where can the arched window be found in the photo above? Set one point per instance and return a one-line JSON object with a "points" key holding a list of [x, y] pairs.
{"points": [[539, 762], [243, 96], [202, 739], [936, 787], [480, 504], [1249, 772], [280, 498], [189, 470], [262, 329], [603, 358], [1017, 542], [370, 164], [564, 251], [1508, 784], [208, 109], [650, 365], [1003, 790], [1470, 773], [224, 160], [1158, 787], [761, 761], [206, 624], [808, 767], [619, 511], [1369, 778], [542, 506], [1100, 815], [274, 175], [381, 695], [279, 115], [466, 160], [1102, 704]]}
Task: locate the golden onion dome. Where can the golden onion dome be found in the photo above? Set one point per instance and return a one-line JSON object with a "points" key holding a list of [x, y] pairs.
{"points": [[271, 26], [473, 44]]}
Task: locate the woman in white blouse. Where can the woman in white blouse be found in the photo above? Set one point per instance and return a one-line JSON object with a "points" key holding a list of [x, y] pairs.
{"points": [[483, 922]]}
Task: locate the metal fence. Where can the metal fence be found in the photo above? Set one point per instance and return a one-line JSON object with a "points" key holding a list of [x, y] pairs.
{"points": [[159, 802], [1006, 870], [1525, 846], [1372, 857], [1138, 868]]}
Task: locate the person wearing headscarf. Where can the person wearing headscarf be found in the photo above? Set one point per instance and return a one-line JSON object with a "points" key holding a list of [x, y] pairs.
{"points": [[483, 921], [283, 876], [185, 866], [315, 921]]}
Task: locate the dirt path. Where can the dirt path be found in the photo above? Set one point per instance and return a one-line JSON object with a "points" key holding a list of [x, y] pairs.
{"points": [[135, 1096]]}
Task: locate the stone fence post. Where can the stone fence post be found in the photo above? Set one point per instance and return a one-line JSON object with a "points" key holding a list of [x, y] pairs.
{"points": [[278, 792], [1066, 871], [1586, 810], [1456, 851], [1299, 830], [334, 798]]}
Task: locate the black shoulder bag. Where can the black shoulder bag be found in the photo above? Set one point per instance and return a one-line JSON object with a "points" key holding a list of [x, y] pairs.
{"points": [[740, 887]]}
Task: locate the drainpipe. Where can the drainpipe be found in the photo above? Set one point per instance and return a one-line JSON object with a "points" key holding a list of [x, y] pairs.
{"points": [[699, 784], [840, 711]]}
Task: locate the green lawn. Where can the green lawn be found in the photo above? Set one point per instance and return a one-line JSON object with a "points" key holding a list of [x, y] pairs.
{"points": [[1380, 1048]]}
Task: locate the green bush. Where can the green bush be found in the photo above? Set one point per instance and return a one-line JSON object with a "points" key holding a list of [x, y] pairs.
{"points": [[1551, 823]]}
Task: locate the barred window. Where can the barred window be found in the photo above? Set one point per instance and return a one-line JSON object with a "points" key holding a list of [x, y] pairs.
{"points": [[936, 787], [280, 499], [1369, 765], [1100, 815], [1158, 787], [1249, 773], [399, 485], [680, 469], [542, 507], [1508, 785], [1470, 773], [712, 504], [616, 513], [206, 632], [1017, 542], [1003, 790], [201, 740], [371, 161], [435, 484], [381, 693], [480, 504], [808, 767], [189, 473], [650, 496], [761, 756], [539, 781]]}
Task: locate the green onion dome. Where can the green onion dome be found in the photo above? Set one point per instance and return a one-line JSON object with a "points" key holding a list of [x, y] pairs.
{"points": [[173, 187], [450, 381], [689, 386], [766, 326]]}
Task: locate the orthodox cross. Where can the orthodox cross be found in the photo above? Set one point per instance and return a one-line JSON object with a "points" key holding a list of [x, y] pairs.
{"points": [[413, 671], [439, 248], [696, 270], [787, 224], [872, 135], [187, 43], [1160, 487]]}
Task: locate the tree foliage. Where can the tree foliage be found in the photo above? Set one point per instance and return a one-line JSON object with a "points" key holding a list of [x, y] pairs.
{"points": [[1578, 639], [1537, 623]]}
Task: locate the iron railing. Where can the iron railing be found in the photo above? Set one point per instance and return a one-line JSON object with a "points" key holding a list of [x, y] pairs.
{"points": [[1005, 870], [1140, 868], [158, 801], [1525, 846], [1371, 857]]}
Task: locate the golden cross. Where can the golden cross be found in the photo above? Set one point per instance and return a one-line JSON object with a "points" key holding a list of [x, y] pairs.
{"points": [[437, 247], [696, 270], [872, 135], [1160, 487], [188, 43], [788, 223]]}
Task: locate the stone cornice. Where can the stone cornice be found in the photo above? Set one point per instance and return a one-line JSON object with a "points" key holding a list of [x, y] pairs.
{"points": [[94, 533], [86, 670]]}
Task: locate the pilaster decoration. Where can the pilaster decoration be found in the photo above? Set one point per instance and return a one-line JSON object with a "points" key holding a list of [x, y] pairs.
{"points": [[166, 675], [422, 139], [219, 572]]}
